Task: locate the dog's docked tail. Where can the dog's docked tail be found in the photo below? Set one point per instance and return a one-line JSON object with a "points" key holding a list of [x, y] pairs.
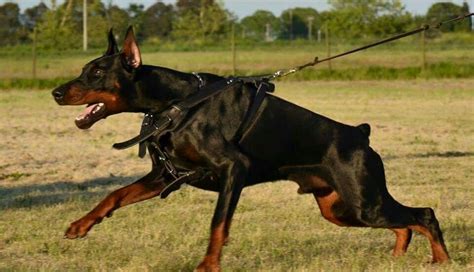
{"points": [[365, 128]]}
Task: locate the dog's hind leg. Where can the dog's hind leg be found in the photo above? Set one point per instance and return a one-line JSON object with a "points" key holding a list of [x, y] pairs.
{"points": [[402, 241], [382, 211], [364, 201], [145, 188]]}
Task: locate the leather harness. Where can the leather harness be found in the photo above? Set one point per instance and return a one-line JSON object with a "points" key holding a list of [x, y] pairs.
{"points": [[158, 124]]}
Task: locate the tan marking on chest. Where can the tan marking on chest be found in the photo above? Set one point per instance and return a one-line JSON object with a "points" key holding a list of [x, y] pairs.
{"points": [[188, 152]]}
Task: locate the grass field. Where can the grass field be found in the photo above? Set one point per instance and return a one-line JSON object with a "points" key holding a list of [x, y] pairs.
{"points": [[52, 173], [253, 61]]}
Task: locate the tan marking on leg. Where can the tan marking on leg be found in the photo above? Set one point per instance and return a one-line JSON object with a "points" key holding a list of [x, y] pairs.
{"points": [[211, 261], [127, 195], [403, 239], [325, 204], [439, 252]]}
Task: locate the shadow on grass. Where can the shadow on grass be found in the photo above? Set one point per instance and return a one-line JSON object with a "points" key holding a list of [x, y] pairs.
{"points": [[35, 195], [448, 154]]}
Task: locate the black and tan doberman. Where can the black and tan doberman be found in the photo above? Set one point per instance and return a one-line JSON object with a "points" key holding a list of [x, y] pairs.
{"points": [[330, 160]]}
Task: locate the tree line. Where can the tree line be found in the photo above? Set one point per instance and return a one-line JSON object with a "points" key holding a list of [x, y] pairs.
{"points": [[207, 21]]}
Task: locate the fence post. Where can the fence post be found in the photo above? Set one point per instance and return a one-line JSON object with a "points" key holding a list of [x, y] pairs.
{"points": [[35, 36], [310, 28], [84, 25], [234, 64], [328, 45], [423, 51]]}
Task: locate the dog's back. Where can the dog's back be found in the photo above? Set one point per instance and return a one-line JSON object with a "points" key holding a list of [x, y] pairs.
{"points": [[286, 134]]}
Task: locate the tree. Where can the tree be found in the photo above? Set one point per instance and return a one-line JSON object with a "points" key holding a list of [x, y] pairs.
{"points": [[356, 19], [444, 11], [33, 15], [53, 35], [10, 25], [136, 14], [61, 28], [159, 19], [390, 24], [200, 20], [98, 24], [193, 6], [295, 22], [118, 19], [254, 26]]}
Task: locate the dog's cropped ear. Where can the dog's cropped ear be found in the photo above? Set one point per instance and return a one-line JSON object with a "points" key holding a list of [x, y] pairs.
{"points": [[130, 50], [112, 48]]}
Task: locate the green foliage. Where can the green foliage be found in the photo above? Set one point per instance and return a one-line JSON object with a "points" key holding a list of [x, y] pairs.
{"points": [[61, 28], [295, 22], [467, 24], [189, 24], [54, 35], [356, 19], [443, 11], [11, 31], [200, 21], [158, 19], [136, 15], [254, 26], [118, 19], [34, 15]]}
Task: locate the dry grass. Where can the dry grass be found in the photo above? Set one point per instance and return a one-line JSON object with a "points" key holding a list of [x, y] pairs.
{"points": [[52, 173]]}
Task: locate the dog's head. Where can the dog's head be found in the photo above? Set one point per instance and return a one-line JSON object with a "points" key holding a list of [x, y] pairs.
{"points": [[105, 84]]}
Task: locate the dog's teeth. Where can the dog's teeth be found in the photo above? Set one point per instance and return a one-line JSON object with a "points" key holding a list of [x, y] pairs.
{"points": [[101, 104]]}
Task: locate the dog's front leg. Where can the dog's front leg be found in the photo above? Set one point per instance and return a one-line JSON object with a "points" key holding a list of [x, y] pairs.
{"points": [[145, 188], [232, 183]]}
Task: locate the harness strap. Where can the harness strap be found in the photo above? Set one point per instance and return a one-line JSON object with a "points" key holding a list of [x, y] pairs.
{"points": [[207, 92], [183, 178], [152, 126], [263, 88]]}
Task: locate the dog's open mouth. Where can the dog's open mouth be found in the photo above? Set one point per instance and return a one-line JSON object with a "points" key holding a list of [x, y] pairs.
{"points": [[92, 114]]}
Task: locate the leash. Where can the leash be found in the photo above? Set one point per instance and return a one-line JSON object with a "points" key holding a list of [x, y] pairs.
{"points": [[286, 72]]}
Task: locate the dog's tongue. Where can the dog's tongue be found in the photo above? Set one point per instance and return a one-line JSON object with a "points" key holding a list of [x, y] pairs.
{"points": [[90, 115], [87, 111]]}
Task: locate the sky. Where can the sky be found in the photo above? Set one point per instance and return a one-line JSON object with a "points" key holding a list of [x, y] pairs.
{"points": [[243, 8]]}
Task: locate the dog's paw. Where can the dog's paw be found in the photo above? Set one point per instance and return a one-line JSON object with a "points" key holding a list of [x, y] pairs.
{"points": [[79, 229]]}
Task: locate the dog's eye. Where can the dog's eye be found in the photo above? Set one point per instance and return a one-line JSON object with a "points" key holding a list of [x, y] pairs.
{"points": [[98, 73]]}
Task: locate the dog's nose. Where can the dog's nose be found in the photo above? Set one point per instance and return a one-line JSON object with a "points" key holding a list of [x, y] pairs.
{"points": [[58, 95]]}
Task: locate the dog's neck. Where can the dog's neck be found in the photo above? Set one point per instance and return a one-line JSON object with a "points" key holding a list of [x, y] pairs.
{"points": [[168, 87]]}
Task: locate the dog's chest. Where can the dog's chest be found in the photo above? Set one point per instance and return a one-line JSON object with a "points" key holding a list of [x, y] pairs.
{"points": [[183, 150]]}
